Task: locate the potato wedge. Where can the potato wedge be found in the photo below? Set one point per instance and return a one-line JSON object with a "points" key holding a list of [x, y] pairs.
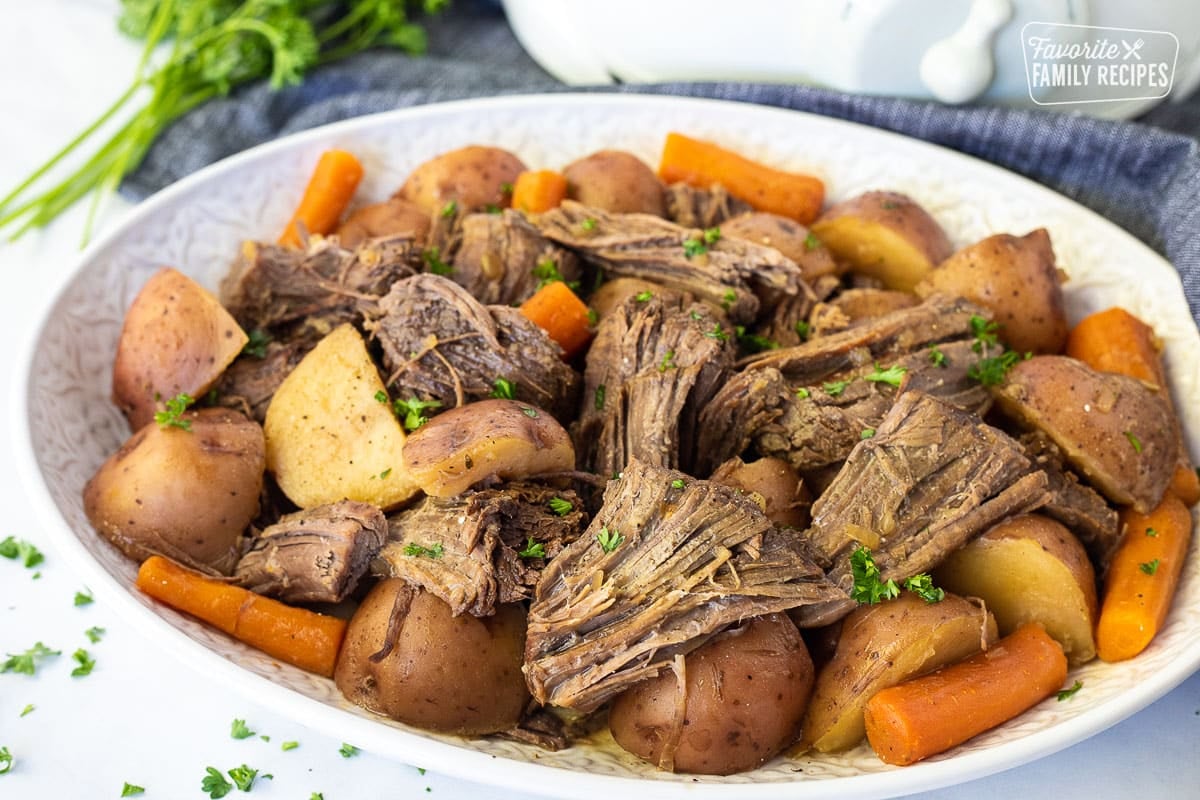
{"points": [[881, 646], [1030, 569], [177, 338], [473, 177], [185, 494], [1016, 278], [788, 237], [885, 235], [616, 181], [502, 438], [392, 216], [329, 437], [773, 484], [1119, 434]]}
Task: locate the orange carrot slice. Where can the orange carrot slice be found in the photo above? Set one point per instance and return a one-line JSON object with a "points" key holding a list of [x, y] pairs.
{"points": [[535, 192], [329, 190], [557, 311]]}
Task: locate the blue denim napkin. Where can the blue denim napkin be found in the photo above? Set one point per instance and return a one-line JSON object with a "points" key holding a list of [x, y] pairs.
{"points": [[1143, 176]]}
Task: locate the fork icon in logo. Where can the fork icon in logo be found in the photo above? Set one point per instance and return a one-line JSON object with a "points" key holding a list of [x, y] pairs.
{"points": [[1132, 49]]}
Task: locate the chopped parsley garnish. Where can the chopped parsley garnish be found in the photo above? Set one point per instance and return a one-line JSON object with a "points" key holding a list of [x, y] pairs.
{"points": [[529, 412], [27, 710], [803, 329], [609, 540], [94, 634], [600, 393], [991, 371], [694, 247], [131, 789], [412, 411], [265, 738], [922, 586], [936, 356], [811, 242], [381, 396], [1134, 441], [256, 344], [869, 586], [86, 663], [172, 415], [6, 760], [432, 256], [533, 549], [503, 389], [243, 777], [450, 209], [985, 332], [492, 208], [678, 483], [383, 475], [1151, 532], [239, 730], [717, 333], [84, 598], [416, 550], [21, 550], [214, 783], [348, 750], [889, 205], [802, 393], [547, 272], [588, 224], [643, 297], [316, 796], [728, 299], [754, 342], [712, 235], [560, 506], [867, 433], [1149, 567], [835, 388], [593, 318], [892, 376], [27, 663], [286, 746], [506, 188], [667, 362], [1067, 694]]}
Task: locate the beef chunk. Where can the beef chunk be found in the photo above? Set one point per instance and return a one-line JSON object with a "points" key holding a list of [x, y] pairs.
{"points": [[653, 365], [270, 285], [250, 382], [439, 343], [930, 479], [682, 565], [502, 259], [466, 549], [701, 208], [316, 555], [729, 273]]}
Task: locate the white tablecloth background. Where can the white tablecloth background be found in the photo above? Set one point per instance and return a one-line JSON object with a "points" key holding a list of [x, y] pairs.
{"points": [[145, 718]]}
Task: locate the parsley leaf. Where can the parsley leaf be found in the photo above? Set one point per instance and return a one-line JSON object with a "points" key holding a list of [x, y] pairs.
{"points": [[991, 371], [593, 318], [712, 235], [667, 362], [22, 551], [560, 506], [1134, 441], [450, 209], [533, 549], [803, 393], [316, 796], [811, 242], [643, 297], [432, 256], [609, 540], [94, 634], [922, 586], [803, 329], [256, 346], [1151, 532], [286, 746], [717, 333], [27, 710], [835, 388], [27, 663], [84, 598], [6, 760], [411, 411], [1067, 694], [869, 586], [243, 776], [936, 356], [677, 483], [529, 412], [866, 433], [86, 663], [600, 393], [892, 375], [547, 272], [503, 389], [754, 342], [214, 783], [239, 730], [172, 415], [985, 333], [348, 750], [728, 299], [416, 550], [694, 247], [1149, 567], [131, 790], [588, 224]]}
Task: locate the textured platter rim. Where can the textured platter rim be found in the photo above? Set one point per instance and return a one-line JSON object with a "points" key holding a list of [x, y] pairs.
{"points": [[528, 776]]}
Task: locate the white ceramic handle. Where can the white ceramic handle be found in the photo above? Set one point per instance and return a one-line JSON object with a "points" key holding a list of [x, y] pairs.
{"points": [[960, 67]]}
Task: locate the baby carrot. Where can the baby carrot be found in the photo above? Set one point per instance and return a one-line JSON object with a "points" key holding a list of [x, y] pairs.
{"points": [[1142, 578], [1114, 340], [538, 191], [328, 193], [703, 164], [555, 309], [930, 714], [298, 636]]}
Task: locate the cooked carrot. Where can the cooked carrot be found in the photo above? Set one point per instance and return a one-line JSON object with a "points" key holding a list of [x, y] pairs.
{"points": [[539, 191], [555, 309], [1116, 341], [325, 198], [927, 715], [1142, 578], [300, 637], [703, 164]]}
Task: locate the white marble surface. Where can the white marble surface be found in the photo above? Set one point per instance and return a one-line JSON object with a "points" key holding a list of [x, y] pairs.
{"points": [[145, 718]]}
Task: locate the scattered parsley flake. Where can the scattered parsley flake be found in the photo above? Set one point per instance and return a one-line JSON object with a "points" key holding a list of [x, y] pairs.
{"points": [[560, 506], [22, 551], [27, 710], [985, 332], [348, 750], [381, 396], [892, 376], [593, 318], [84, 598], [667, 362], [547, 272], [316, 796], [432, 256], [991, 371], [412, 411], [385, 473], [599, 402], [936, 356], [1151, 532], [529, 412], [506, 188], [717, 333], [1067, 694], [678, 483], [243, 776], [132, 789], [889, 205], [172, 415], [867, 433], [803, 329], [811, 242], [694, 247], [492, 208], [420, 770], [94, 634], [588, 224], [922, 586], [265, 738], [533, 549], [239, 730], [869, 586], [712, 235], [286, 746], [1134, 441], [609, 540], [1149, 567], [835, 388], [728, 299], [802, 393], [27, 663], [214, 783], [503, 389], [754, 342], [416, 550], [86, 663], [6, 760], [643, 297], [450, 209], [256, 343]]}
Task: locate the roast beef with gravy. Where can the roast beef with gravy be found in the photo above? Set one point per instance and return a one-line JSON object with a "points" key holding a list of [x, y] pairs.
{"points": [[693, 207], [502, 259]]}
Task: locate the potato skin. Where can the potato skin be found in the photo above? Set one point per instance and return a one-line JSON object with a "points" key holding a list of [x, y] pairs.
{"points": [[1014, 277], [784, 496], [187, 495], [1030, 569], [746, 692], [443, 673], [616, 181], [788, 237], [392, 216], [474, 177]]}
